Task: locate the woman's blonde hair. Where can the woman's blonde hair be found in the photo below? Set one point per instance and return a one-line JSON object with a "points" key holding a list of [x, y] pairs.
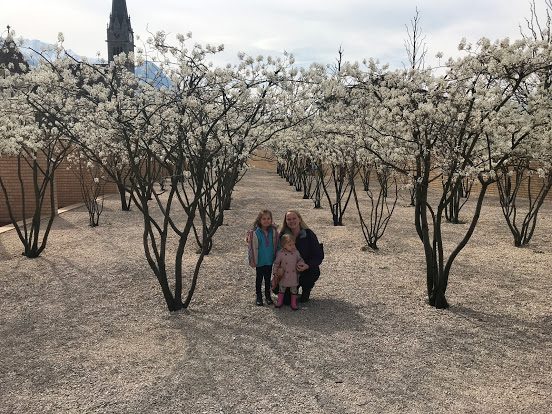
{"points": [[262, 213], [302, 223]]}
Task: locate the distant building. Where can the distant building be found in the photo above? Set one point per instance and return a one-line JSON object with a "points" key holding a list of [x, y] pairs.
{"points": [[120, 36]]}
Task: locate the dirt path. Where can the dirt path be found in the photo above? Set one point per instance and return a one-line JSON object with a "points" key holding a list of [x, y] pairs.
{"points": [[84, 328]]}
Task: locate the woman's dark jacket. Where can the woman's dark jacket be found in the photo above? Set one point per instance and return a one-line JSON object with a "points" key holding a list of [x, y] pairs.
{"points": [[309, 248]]}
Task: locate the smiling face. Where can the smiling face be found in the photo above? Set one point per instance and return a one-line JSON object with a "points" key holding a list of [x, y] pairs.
{"points": [[266, 221], [293, 221]]}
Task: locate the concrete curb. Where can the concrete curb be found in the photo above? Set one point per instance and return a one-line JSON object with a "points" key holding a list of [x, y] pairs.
{"points": [[65, 209]]}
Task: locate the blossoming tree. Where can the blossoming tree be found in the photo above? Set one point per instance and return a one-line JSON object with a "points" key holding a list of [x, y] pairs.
{"points": [[29, 134], [452, 126]]}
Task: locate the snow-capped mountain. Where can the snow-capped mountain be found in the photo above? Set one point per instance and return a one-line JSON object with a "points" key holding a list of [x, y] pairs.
{"points": [[33, 48]]}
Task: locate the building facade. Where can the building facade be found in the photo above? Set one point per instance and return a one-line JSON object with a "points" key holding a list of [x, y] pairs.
{"points": [[120, 36]]}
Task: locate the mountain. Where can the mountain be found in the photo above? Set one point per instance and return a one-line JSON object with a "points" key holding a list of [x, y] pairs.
{"points": [[152, 72], [33, 48]]}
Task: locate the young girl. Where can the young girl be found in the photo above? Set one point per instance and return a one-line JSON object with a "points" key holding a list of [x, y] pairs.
{"points": [[262, 244], [287, 258]]}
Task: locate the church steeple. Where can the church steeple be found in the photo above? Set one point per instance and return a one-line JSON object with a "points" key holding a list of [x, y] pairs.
{"points": [[119, 11], [120, 37]]}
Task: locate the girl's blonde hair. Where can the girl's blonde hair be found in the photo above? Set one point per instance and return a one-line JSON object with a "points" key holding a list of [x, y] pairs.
{"points": [[286, 238], [262, 213], [302, 223]]}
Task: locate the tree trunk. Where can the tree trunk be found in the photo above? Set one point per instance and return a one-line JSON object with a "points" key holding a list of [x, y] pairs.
{"points": [[125, 205]]}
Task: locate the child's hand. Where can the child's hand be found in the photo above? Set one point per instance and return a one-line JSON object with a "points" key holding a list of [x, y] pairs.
{"points": [[301, 267], [280, 271]]}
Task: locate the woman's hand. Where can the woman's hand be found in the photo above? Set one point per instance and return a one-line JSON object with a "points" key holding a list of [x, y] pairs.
{"points": [[301, 267]]}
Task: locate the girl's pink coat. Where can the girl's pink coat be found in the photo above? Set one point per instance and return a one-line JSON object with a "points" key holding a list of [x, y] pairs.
{"points": [[288, 261]]}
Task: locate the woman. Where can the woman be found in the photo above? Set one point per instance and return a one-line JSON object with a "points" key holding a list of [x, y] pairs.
{"points": [[310, 249]]}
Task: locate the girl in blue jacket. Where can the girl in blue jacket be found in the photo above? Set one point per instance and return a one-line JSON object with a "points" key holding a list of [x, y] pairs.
{"points": [[262, 244]]}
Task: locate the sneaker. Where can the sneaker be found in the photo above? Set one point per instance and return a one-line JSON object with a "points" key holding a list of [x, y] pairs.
{"points": [[259, 302], [269, 301]]}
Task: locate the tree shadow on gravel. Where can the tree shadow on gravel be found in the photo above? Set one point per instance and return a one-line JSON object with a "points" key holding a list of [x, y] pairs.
{"points": [[4, 255], [62, 224], [508, 329], [326, 316], [230, 354]]}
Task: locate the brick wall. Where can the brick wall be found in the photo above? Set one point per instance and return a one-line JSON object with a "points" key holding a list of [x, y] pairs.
{"points": [[10, 177], [523, 193], [536, 184], [263, 159], [68, 185], [67, 188]]}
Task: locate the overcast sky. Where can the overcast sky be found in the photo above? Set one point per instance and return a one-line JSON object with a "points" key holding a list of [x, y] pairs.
{"points": [[312, 30]]}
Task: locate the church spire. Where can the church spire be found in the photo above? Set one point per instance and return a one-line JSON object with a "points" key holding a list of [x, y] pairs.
{"points": [[120, 36], [119, 12]]}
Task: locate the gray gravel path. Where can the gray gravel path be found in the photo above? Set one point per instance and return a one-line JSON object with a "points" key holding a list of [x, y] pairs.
{"points": [[83, 329]]}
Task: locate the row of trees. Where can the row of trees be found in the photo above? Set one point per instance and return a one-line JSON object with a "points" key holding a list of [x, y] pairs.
{"points": [[176, 150], [481, 119], [176, 146]]}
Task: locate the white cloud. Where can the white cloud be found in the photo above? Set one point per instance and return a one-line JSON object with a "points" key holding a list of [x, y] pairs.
{"points": [[313, 30]]}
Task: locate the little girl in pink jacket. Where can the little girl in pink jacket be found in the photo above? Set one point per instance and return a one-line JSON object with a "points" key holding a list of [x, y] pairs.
{"points": [[287, 259]]}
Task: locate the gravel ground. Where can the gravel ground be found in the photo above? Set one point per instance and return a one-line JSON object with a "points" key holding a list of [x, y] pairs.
{"points": [[84, 328]]}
